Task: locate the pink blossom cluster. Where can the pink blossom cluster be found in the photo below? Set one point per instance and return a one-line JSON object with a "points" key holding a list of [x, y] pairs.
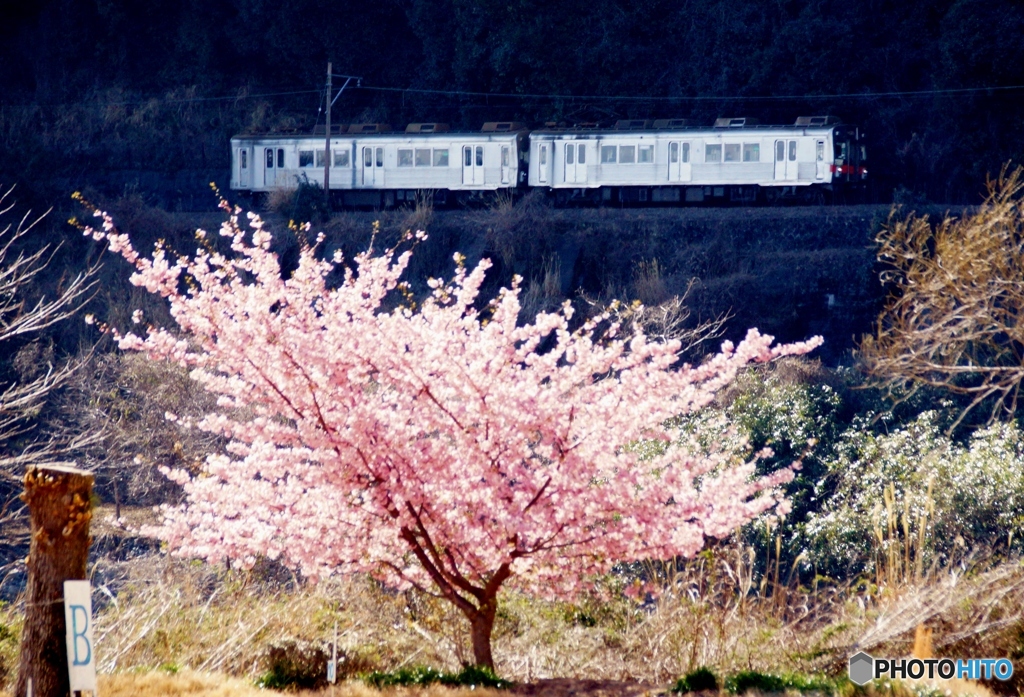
{"points": [[445, 446]]}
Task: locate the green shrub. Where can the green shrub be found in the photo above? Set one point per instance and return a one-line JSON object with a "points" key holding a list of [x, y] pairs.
{"points": [[700, 680], [9, 633], [471, 676], [308, 203], [403, 677], [748, 680], [792, 409]]}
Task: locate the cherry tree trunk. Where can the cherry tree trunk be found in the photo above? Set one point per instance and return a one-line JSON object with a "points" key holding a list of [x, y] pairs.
{"points": [[58, 498], [481, 627]]}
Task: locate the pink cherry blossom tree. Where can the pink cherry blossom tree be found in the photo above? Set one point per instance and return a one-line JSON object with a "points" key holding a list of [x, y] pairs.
{"points": [[437, 445]]}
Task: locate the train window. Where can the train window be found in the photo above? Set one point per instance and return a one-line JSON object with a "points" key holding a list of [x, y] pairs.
{"points": [[305, 158], [841, 151], [751, 152], [780, 150], [686, 152], [819, 151], [380, 157], [863, 153], [320, 158], [504, 156], [243, 159], [645, 153], [570, 154], [270, 158], [280, 157], [479, 156], [404, 157], [673, 152], [367, 157], [422, 157], [608, 153], [627, 153], [581, 154], [792, 151], [732, 152], [441, 157], [712, 153], [467, 157], [341, 158], [543, 155]]}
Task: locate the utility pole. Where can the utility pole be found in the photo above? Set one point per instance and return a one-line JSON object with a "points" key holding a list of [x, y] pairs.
{"points": [[328, 155], [327, 145]]}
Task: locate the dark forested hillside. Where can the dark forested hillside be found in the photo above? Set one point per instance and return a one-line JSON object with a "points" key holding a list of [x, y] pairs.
{"points": [[113, 94]]}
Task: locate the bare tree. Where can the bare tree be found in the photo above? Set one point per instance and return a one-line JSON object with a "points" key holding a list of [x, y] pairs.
{"points": [[25, 312], [667, 318], [955, 318]]}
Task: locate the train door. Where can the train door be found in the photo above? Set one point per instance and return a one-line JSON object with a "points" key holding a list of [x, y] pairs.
{"points": [[819, 160], [373, 166], [274, 161], [542, 164], [785, 160], [506, 164], [576, 163], [473, 165], [679, 161], [245, 167]]}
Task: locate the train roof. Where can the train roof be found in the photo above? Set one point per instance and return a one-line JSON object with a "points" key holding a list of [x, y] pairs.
{"points": [[818, 124], [721, 125], [489, 129]]}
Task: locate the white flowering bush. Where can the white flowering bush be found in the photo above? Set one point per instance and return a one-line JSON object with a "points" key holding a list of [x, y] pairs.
{"points": [[964, 496], [869, 490]]}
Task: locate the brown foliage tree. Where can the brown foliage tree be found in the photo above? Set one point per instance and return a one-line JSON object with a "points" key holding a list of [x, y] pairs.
{"points": [[955, 318]]}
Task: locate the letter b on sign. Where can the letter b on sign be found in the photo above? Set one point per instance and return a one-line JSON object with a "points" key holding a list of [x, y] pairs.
{"points": [[78, 617], [81, 648]]}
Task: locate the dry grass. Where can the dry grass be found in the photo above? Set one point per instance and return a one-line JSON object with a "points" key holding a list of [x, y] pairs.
{"points": [[421, 215], [280, 201], [648, 283], [189, 616], [183, 684], [358, 689], [179, 628], [188, 683]]}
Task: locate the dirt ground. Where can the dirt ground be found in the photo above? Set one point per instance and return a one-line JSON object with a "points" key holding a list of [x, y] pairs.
{"points": [[189, 684], [562, 687]]}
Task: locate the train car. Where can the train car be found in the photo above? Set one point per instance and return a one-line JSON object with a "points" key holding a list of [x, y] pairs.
{"points": [[737, 160], [636, 162], [372, 166]]}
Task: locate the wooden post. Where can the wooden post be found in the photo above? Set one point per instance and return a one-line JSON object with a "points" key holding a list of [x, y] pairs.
{"points": [[58, 498]]}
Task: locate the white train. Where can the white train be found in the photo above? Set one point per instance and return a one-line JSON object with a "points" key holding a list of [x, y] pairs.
{"points": [[637, 161]]}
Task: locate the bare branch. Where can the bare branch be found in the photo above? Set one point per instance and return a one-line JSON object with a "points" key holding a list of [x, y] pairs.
{"points": [[669, 320], [21, 398]]}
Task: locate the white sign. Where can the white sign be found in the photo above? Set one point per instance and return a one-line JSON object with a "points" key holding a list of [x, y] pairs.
{"points": [[332, 665], [81, 653]]}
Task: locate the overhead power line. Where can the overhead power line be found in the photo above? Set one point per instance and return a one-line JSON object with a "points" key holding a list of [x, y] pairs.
{"points": [[569, 97], [174, 100], [703, 98]]}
